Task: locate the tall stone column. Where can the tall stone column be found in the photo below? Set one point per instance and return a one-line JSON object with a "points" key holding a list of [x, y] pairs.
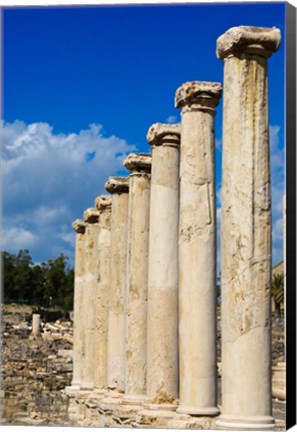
{"points": [[79, 227], [89, 295], [137, 276], [103, 205], [197, 248], [116, 351], [246, 229], [162, 327]]}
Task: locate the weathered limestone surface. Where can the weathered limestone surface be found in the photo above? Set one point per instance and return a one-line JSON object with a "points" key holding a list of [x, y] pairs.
{"points": [[89, 295], [162, 348], [137, 276], [35, 324], [119, 188], [103, 205], [262, 41], [197, 248], [78, 331], [246, 229]]}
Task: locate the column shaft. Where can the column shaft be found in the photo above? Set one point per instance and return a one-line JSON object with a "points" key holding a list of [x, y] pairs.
{"points": [[117, 293], [103, 204], [137, 277], [246, 232], [162, 354], [89, 297], [197, 249], [79, 226]]}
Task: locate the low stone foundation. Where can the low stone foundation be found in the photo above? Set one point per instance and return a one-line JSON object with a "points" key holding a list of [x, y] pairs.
{"points": [[89, 409]]}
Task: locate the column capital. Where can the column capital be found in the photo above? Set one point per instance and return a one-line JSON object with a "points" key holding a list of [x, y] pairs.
{"points": [[262, 41], [91, 215], [198, 95], [117, 185], [79, 226], [163, 133], [138, 162], [103, 202]]}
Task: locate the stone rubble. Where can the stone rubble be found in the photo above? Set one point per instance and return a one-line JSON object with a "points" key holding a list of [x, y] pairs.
{"points": [[35, 370]]}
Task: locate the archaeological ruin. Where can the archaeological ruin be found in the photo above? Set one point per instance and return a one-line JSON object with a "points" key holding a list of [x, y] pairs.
{"points": [[145, 324]]}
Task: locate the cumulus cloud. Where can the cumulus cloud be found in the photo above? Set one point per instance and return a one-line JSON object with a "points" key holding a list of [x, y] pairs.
{"points": [[171, 119], [48, 181], [19, 238], [218, 143]]}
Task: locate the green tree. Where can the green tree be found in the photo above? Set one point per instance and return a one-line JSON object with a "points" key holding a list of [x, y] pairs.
{"points": [[277, 291], [8, 266], [59, 283], [23, 276], [46, 284]]}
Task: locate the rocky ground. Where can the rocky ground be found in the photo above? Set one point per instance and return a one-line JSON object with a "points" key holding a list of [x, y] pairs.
{"points": [[35, 370]]}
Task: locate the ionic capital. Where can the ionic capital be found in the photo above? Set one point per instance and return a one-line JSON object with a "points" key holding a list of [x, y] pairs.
{"points": [[91, 215], [102, 203], [138, 162], [79, 226], [199, 95], [117, 185], [262, 41], [162, 133]]}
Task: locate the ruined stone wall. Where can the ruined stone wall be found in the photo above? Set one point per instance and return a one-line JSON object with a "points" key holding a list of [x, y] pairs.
{"points": [[34, 371]]}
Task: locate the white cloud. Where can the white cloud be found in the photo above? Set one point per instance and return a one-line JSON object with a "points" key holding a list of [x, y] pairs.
{"points": [[48, 181], [218, 143], [171, 119], [18, 238]]}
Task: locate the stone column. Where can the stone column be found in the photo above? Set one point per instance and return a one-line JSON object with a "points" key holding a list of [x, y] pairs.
{"points": [[197, 248], [103, 205], [137, 276], [162, 327], [89, 295], [119, 188], [246, 229], [35, 324], [79, 227]]}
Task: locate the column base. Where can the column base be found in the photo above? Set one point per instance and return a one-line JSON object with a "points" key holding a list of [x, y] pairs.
{"points": [[72, 390], [99, 391], [87, 386], [134, 399], [196, 411], [159, 407], [113, 397], [245, 423]]}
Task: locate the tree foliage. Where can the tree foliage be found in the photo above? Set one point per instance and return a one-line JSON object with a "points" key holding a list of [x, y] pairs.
{"points": [[47, 284], [277, 291]]}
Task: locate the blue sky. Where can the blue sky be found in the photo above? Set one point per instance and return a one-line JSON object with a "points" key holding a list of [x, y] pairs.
{"points": [[81, 87]]}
